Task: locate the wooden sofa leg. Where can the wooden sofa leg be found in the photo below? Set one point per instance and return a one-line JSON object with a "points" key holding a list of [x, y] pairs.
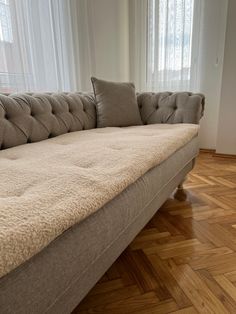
{"points": [[180, 193]]}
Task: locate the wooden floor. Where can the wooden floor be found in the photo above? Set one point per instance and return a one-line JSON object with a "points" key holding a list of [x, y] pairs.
{"points": [[184, 261]]}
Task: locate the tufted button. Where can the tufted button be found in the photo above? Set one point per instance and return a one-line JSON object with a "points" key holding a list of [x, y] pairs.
{"points": [[157, 107], [28, 140], [6, 116], [49, 135]]}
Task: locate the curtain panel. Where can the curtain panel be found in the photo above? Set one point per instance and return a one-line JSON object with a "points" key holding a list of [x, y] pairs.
{"points": [[170, 31], [40, 45], [170, 24]]}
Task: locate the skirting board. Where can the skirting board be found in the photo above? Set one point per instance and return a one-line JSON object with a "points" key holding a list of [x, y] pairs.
{"points": [[214, 154], [208, 151]]}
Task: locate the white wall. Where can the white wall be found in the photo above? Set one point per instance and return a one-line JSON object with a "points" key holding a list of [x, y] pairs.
{"points": [[226, 141], [211, 63]]}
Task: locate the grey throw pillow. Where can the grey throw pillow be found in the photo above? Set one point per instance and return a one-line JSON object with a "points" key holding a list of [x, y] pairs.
{"points": [[116, 104]]}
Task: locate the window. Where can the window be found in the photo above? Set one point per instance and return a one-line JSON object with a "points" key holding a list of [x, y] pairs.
{"points": [[169, 54], [5, 22]]}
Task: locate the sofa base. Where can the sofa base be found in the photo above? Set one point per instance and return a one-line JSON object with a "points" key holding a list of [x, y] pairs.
{"points": [[100, 266], [57, 279]]}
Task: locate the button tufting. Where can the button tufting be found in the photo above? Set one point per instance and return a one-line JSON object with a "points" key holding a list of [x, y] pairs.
{"points": [[54, 116]]}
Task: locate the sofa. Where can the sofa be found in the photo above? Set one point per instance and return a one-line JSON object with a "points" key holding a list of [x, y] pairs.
{"points": [[53, 276]]}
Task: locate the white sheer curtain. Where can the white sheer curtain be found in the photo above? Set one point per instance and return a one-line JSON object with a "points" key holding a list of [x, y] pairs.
{"points": [[39, 45], [169, 44], [138, 10]]}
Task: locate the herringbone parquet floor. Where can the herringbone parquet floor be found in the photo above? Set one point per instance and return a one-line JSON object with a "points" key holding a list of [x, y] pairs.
{"points": [[184, 260]]}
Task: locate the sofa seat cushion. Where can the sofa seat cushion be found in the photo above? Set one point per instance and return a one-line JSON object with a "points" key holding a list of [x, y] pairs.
{"points": [[49, 186], [108, 231]]}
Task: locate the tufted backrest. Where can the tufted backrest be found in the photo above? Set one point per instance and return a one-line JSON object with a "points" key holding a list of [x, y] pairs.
{"points": [[169, 107], [26, 118]]}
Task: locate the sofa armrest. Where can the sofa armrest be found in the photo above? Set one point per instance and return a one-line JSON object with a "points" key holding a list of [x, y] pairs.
{"points": [[169, 107]]}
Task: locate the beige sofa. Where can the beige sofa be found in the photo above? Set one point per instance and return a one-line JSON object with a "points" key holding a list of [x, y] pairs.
{"points": [[60, 274]]}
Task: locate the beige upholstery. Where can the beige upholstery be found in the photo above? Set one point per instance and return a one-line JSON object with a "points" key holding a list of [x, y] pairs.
{"points": [[26, 118]]}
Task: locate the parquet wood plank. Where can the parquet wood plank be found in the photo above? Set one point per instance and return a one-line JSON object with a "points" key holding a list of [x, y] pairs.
{"points": [[110, 297], [172, 239], [231, 276], [107, 286], [223, 219], [113, 272], [184, 260], [204, 230], [218, 265], [197, 291], [146, 303], [209, 214], [144, 274], [203, 178], [171, 284], [226, 285], [184, 212], [214, 200], [189, 249], [223, 181], [224, 233], [212, 284], [213, 253], [163, 307], [187, 310]]}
